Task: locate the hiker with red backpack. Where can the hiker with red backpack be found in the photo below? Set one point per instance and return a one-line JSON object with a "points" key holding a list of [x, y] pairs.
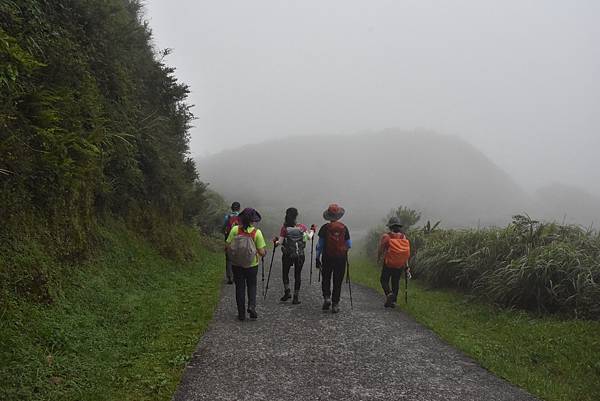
{"points": [[332, 256], [245, 244], [394, 251], [231, 220], [292, 238]]}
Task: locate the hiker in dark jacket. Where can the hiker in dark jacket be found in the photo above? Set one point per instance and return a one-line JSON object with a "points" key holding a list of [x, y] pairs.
{"points": [[394, 252], [332, 248], [230, 220], [245, 245], [292, 238]]}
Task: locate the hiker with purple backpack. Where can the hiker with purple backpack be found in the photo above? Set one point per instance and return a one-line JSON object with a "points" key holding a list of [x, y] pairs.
{"points": [[245, 245]]}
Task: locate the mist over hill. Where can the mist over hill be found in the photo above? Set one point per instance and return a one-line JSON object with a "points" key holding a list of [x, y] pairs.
{"points": [[568, 203], [368, 174]]}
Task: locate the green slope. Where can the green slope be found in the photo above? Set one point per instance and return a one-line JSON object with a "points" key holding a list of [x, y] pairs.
{"points": [[120, 327]]}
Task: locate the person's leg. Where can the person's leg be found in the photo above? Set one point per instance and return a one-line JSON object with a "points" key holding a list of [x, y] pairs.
{"points": [[326, 271], [240, 291], [385, 280], [298, 264], [251, 278], [228, 270], [386, 274], [286, 263], [396, 274], [339, 270]]}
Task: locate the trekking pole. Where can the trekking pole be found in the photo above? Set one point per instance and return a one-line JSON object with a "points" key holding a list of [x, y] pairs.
{"points": [[348, 280], [263, 274], [270, 268], [312, 243], [406, 273]]}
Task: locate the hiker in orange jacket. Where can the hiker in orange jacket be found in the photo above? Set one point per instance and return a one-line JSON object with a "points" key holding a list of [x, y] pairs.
{"points": [[394, 252]]}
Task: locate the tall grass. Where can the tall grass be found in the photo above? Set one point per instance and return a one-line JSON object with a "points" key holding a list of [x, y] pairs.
{"points": [[545, 267]]}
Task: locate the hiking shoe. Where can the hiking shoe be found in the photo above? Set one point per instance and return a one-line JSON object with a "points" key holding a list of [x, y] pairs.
{"points": [[335, 308], [229, 281], [241, 317], [393, 305], [295, 301], [389, 300], [285, 296], [326, 304], [252, 313]]}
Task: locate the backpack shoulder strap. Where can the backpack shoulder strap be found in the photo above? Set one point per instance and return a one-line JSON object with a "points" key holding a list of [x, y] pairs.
{"points": [[251, 234]]}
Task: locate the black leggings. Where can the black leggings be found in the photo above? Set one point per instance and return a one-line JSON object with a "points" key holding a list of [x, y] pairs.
{"points": [[393, 274], [336, 268], [286, 264]]}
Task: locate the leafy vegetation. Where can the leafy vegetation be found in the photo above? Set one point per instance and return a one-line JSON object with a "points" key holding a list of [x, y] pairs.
{"points": [[554, 359], [93, 124], [532, 265], [543, 267], [93, 158], [122, 328]]}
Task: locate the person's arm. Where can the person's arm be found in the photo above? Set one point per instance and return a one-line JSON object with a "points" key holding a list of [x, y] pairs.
{"points": [[224, 226], [348, 240], [381, 248], [321, 242], [320, 246], [282, 235], [261, 245]]}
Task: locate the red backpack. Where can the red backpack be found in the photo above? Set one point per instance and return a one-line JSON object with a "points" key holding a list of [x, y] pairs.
{"points": [[335, 241], [398, 251], [232, 220]]}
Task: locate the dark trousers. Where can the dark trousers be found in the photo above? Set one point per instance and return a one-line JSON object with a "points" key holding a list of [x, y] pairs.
{"points": [[228, 270], [393, 274], [335, 267], [287, 263], [245, 278]]}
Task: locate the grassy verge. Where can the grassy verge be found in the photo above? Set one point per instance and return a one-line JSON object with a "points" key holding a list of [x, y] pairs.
{"points": [[554, 359], [121, 328]]}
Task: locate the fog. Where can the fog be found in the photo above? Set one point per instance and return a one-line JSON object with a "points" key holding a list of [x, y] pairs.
{"points": [[518, 80]]}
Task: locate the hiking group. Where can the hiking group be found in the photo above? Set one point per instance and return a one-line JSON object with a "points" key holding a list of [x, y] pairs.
{"points": [[246, 248]]}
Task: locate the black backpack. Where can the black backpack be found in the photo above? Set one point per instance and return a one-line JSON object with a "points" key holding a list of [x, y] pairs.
{"points": [[293, 243]]}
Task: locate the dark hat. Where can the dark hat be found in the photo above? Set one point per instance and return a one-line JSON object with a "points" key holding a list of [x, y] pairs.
{"points": [[235, 206], [252, 215], [333, 212], [394, 222]]}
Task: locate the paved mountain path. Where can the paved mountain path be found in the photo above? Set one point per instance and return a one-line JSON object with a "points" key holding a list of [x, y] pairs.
{"points": [[298, 352]]}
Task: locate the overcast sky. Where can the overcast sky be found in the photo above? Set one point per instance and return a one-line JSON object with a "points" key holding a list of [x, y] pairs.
{"points": [[518, 79]]}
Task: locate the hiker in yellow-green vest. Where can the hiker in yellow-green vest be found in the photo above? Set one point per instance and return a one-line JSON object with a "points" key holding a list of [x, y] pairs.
{"points": [[245, 245]]}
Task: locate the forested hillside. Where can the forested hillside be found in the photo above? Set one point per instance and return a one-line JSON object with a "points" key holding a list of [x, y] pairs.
{"points": [[93, 125], [97, 196]]}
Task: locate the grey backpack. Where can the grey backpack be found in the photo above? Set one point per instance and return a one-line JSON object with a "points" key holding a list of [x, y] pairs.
{"points": [[293, 244], [242, 250]]}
